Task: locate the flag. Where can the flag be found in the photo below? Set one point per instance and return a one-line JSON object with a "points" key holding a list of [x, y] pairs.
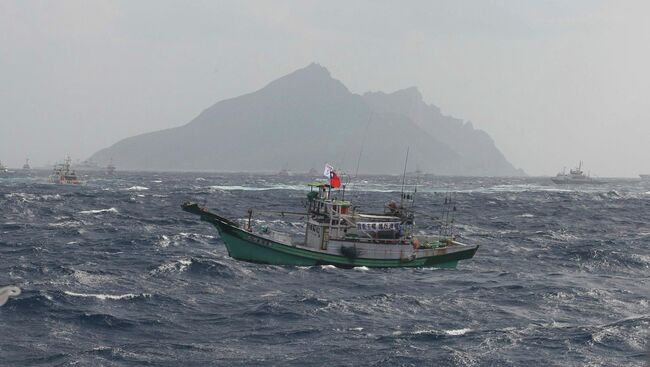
{"points": [[335, 181], [328, 170]]}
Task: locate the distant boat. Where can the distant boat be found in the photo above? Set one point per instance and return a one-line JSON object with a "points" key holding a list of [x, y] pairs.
{"points": [[26, 166], [575, 177], [110, 169], [64, 174], [645, 177], [284, 173], [3, 169]]}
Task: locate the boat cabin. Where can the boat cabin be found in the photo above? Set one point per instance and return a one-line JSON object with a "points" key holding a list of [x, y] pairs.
{"points": [[333, 218]]}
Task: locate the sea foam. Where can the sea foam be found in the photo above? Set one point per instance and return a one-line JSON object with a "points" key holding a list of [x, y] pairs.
{"points": [[99, 211], [108, 296]]}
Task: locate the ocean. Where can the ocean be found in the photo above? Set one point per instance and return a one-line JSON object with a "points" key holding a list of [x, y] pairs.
{"points": [[114, 273]]}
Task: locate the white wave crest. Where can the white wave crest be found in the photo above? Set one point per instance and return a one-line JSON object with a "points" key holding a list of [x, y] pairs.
{"points": [[99, 211], [291, 187], [164, 241], [179, 265], [67, 224], [137, 188], [237, 187], [108, 296], [452, 332], [456, 332]]}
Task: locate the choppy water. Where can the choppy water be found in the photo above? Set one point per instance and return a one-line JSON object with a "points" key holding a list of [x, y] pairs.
{"points": [[114, 273]]}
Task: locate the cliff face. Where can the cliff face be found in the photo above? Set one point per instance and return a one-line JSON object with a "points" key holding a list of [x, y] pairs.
{"points": [[477, 152], [307, 118]]}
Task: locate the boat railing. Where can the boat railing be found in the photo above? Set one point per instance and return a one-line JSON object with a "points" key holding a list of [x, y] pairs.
{"points": [[421, 241], [384, 241], [277, 235]]}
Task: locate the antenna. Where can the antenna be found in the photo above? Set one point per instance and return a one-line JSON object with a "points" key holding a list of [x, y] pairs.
{"points": [[363, 143]]}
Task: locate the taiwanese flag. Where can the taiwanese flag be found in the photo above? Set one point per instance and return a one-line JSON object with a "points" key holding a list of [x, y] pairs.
{"points": [[335, 181]]}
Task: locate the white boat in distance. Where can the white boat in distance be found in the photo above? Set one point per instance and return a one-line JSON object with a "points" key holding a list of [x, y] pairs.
{"points": [[64, 174], [575, 177]]}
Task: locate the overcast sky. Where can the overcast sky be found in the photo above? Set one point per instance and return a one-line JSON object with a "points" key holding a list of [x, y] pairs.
{"points": [[553, 82]]}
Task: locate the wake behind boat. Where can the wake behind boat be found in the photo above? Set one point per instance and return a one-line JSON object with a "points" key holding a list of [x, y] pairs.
{"points": [[575, 177], [336, 234]]}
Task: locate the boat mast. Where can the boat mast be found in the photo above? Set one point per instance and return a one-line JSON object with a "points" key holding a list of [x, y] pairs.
{"points": [[401, 203]]}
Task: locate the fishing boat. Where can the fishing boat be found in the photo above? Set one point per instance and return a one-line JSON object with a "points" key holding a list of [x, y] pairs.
{"points": [[337, 234], [26, 166], [110, 169], [3, 169], [64, 174], [575, 177]]}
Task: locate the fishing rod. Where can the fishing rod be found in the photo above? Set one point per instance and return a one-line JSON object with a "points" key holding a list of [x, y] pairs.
{"points": [[448, 217], [363, 143]]}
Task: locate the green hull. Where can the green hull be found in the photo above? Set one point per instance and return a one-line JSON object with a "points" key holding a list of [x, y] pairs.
{"points": [[245, 246]]}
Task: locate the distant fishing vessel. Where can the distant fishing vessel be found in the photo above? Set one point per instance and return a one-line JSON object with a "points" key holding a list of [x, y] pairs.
{"points": [[110, 169], [576, 177], [3, 169], [64, 174], [337, 234], [26, 166]]}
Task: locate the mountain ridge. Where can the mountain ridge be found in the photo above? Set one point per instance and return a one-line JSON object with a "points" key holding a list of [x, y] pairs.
{"points": [[306, 118]]}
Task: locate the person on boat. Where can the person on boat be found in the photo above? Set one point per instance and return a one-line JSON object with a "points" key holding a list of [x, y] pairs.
{"points": [[392, 207]]}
